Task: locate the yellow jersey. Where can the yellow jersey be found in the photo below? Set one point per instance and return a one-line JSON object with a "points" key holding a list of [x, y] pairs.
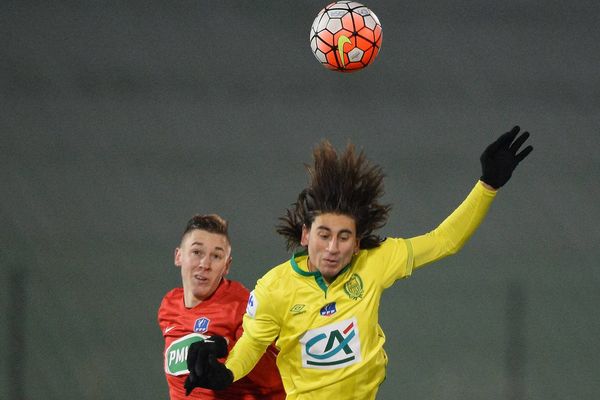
{"points": [[329, 336]]}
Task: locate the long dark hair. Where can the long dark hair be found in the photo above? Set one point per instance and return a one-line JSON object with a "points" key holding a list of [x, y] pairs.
{"points": [[346, 184]]}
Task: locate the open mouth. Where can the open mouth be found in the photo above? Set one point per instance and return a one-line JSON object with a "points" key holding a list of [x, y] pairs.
{"points": [[330, 262]]}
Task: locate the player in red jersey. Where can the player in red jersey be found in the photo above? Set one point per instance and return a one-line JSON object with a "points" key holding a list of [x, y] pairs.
{"points": [[206, 305]]}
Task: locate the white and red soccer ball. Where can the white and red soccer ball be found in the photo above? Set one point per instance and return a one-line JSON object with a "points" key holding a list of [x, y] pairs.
{"points": [[345, 36]]}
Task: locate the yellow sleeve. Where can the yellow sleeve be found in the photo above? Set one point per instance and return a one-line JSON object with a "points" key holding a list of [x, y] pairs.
{"points": [[451, 235], [244, 356], [261, 328]]}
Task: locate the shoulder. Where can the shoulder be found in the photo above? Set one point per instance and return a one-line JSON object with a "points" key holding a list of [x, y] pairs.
{"points": [[391, 252], [172, 296], [277, 276], [387, 246], [234, 290], [275, 283], [387, 263], [171, 305]]}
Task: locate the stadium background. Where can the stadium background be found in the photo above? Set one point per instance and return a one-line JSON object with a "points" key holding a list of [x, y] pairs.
{"points": [[120, 120]]}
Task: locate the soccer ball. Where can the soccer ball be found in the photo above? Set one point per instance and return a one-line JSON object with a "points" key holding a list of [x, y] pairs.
{"points": [[345, 36]]}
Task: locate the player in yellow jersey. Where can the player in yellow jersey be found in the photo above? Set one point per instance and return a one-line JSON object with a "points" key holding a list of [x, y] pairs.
{"points": [[321, 307]]}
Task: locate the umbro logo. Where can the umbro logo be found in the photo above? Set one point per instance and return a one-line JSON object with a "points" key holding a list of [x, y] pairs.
{"points": [[298, 309]]}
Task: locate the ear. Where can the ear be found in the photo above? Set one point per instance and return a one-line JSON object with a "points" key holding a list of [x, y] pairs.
{"points": [[227, 265], [357, 246], [177, 257], [304, 237]]}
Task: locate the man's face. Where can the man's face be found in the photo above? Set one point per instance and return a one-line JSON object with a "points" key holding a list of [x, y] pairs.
{"points": [[204, 259], [331, 242]]}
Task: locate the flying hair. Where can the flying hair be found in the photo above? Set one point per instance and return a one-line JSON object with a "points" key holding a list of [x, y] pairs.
{"points": [[346, 184]]}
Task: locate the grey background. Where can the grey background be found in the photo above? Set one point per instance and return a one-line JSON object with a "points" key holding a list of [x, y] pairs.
{"points": [[119, 120]]}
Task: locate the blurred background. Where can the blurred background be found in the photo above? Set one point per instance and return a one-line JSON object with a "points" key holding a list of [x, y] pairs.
{"points": [[120, 120]]}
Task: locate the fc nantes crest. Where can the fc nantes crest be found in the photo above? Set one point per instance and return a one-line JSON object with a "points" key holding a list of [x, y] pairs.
{"points": [[354, 287]]}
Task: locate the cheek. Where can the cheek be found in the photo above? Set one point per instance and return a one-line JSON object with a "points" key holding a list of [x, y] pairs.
{"points": [[350, 250], [313, 245], [221, 268], [186, 269], [348, 255]]}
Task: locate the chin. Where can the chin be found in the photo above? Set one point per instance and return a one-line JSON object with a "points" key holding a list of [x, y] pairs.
{"points": [[330, 273], [200, 294]]}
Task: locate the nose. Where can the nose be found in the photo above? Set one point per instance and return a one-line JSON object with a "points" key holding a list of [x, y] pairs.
{"points": [[333, 246], [204, 262]]}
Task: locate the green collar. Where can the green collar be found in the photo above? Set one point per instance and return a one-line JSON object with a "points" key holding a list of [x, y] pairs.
{"points": [[316, 274]]}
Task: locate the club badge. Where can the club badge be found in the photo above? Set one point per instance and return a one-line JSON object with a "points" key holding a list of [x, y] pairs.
{"points": [[354, 287]]}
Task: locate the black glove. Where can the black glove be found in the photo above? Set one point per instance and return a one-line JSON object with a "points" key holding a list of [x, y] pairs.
{"points": [[500, 158], [205, 370]]}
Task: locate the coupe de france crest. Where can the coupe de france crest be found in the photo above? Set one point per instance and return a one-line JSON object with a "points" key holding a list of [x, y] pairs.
{"points": [[201, 325], [328, 309]]}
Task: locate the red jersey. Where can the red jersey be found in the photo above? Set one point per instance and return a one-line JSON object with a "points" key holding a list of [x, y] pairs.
{"points": [[221, 314]]}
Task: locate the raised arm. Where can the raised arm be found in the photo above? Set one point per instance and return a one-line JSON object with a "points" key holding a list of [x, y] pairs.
{"points": [[498, 162]]}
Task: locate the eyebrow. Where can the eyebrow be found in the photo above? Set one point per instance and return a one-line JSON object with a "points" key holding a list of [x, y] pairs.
{"points": [[202, 244], [325, 228]]}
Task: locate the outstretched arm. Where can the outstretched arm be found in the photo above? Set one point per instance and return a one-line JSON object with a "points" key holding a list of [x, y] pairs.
{"points": [[261, 327], [498, 162], [244, 356]]}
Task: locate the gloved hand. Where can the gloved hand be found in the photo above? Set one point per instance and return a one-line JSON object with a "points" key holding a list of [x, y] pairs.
{"points": [[500, 158], [205, 370]]}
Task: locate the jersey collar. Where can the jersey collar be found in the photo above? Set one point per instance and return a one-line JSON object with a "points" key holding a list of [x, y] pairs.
{"points": [[316, 274]]}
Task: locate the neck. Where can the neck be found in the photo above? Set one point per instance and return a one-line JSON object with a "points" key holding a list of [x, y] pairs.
{"points": [[312, 268], [189, 300]]}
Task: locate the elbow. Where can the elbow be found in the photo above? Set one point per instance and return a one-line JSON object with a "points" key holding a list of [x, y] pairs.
{"points": [[454, 249]]}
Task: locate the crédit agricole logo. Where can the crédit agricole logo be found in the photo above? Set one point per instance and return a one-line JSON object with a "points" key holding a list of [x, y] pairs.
{"points": [[332, 346]]}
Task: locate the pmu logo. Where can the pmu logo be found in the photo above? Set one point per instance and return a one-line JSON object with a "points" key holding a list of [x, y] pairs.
{"points": [[176, 354], [332, 346], [201, 325]]}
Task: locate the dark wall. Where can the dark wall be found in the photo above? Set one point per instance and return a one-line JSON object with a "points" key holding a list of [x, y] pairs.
{"points": [[120, 120]]}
